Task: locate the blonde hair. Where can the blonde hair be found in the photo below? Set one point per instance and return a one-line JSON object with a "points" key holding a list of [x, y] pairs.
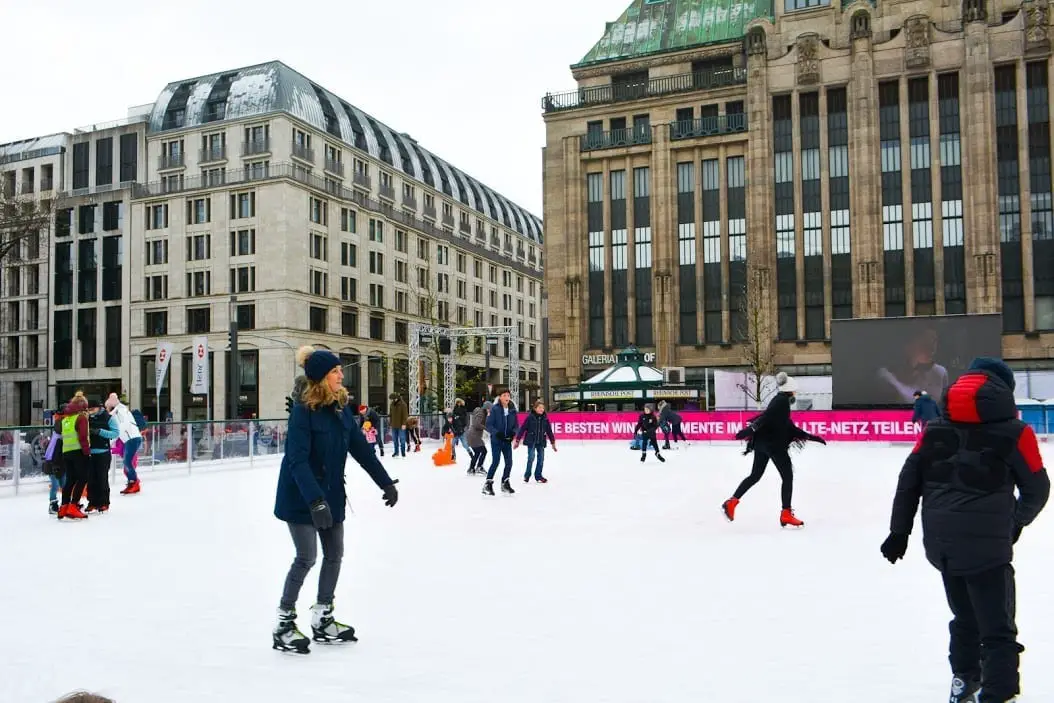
{"points": [[84, 697], [317, 394]]}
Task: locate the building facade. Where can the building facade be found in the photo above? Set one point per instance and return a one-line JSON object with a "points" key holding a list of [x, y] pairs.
{"points": [[807, 161], [29, 169]]}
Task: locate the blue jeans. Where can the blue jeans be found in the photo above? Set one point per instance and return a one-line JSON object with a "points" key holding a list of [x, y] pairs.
{"points": [[131, 448], [531, 451], [500, 448], [399, 441], [56, 486]]}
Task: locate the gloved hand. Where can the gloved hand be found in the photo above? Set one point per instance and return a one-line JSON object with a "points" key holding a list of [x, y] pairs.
{"points": [[391, 494], [1017, 533], [894, 547], [321, 515], [745, 432]]}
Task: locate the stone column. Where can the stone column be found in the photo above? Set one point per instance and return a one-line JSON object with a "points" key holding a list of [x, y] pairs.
{"points": [[906, 199], [663, 219], [799, 215], [825, 210], [726, 256], [1024, 169], [569, 299], [761, 251], [981, 238], [609, 336], [697, 197], [865, 179]]}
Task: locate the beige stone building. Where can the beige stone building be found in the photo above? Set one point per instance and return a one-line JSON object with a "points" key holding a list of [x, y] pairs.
{"points": [[856, 160], [328, 226]]}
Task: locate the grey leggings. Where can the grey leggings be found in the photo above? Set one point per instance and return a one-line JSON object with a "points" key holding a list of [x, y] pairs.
{"points": [[304, 539]]}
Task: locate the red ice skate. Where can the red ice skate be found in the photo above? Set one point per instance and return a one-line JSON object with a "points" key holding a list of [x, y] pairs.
{"points": [[729, 508], [787, 519], [133, 487], [72, 511]]}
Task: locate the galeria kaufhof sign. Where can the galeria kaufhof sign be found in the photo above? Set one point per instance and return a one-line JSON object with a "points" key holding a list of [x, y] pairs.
{"points": [[611, 359]]}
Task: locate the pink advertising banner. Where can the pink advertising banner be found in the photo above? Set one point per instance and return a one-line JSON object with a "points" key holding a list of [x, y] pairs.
{"points": [[832, 425]]}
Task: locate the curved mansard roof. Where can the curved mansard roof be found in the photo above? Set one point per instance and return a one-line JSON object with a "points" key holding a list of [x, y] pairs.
{"points": [[274, 87]]}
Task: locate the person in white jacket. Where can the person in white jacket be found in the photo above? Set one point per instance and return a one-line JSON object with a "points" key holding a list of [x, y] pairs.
{"points": [[122, 420]]}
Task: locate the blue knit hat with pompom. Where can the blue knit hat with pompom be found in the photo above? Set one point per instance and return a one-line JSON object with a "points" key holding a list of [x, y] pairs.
{"points": [[996, 367]]}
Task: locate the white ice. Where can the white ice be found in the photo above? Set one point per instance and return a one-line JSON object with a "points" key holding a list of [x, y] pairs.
{"points": [[616, 582]]}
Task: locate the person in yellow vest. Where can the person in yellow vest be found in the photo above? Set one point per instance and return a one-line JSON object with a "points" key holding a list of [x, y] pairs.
{"points": [[76, 455]]}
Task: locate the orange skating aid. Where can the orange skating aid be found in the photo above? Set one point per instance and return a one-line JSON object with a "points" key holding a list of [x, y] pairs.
{"points": [[444, 456]]}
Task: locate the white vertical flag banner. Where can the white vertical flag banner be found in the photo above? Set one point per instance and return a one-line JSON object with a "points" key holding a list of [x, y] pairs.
{"points": [[161, 362], [199, 370]]}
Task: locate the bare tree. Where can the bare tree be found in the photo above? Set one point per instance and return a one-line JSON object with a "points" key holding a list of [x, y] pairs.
{"points": [[23, 219], [758, 333]]}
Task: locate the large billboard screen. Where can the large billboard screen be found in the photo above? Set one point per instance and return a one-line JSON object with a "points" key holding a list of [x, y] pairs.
{"points": [[881, 362]]}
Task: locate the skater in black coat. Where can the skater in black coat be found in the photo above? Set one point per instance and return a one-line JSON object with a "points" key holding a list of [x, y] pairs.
{"points": [[647, 426], [770, 436], [965, 468]]}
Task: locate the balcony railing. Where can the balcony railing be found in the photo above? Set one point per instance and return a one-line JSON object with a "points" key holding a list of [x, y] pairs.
{"points": [[664, 85], [387, 192], [303, 152], [217, 152], [170, 161], [409, 201], [430, 212], [362, 179], [615, 138], [257, 146], [465, 227], [448, 219], [27, 187], [335, 167], [709, 126]]}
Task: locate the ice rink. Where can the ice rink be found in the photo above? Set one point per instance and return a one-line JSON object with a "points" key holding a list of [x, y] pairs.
{"points": [[616, 582]]}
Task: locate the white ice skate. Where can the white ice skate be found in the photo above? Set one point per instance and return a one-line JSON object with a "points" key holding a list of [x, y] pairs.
{"points": [[327, 630]]}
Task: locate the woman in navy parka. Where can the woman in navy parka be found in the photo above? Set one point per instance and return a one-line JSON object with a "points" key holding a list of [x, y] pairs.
{"points": [[323, 430]]}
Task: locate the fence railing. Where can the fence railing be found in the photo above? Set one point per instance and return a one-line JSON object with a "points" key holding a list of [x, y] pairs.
{"points": [[170, 446]]}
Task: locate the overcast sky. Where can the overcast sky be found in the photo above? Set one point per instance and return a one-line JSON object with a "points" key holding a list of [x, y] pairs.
{"points": [[463, 77]]}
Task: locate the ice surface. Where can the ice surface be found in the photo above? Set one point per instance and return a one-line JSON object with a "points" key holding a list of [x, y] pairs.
{"points": [[616, 582]]}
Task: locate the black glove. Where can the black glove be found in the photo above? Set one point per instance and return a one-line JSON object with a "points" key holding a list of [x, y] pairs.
{"points": [[745, 432], [391, 494], [1017, 533], [894, 547], [321, 515]]}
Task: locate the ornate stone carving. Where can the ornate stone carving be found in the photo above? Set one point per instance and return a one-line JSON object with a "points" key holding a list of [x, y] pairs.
{"points": [[974, 11], [757, 45], [917, 42], [860, 27], [1037, 25], [808, 66], [556, 348]]}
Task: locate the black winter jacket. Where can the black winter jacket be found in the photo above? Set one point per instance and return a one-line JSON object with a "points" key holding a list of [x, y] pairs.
{"points": [[773, 430], [965, 467], [647, 424], [535, 429], [460, 419]]}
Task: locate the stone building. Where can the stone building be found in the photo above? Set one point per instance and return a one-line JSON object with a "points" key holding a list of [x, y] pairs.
{"points": [[812, 160]]}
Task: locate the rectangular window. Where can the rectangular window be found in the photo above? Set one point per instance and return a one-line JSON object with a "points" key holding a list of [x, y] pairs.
{"points": [[377, 263], [348, 289], [243, 242], [318, 247], [199, 247], [348, 254], [317, 318], [63, 339], [156, 252], [246, 316], [376, 328], [87, 333], [347, 220], [642, 239], [86, 219], [87, 272], [81, 165], [243, 205], [112, 267], [129, 158], [892, 197], [595, 228], [155, 287], [155, 323], [1037, 94], [786, 265], [812, 215], [838, 192], [199, 320], [243, 279], [113, 336], [104, 161], [349, 323], [686, 252], [1009, 190], [63, 273], [376, 231], [199, 211], [199, 283], [318, 283], [112, 215], [376, 295], [318, 211], [619, 275]]}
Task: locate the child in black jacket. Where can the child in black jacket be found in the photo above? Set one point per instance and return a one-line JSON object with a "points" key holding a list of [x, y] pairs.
{"points": [[769, 436], [535, 429], [647, 426]]}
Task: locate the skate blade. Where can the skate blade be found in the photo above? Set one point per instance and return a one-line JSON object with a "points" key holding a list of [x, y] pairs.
{"points": [[334, 641], [285, 649], [792, 527]]}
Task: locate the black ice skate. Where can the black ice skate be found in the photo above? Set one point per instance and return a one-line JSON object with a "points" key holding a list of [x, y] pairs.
{"points": [[488, 488], [643, 457], [506, 487], [287, 637], [965, 689], [660, 457], [327, 630], [53, 508]]}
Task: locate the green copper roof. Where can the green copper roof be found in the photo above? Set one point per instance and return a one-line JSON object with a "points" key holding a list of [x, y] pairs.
{"points": [[655, 26]]}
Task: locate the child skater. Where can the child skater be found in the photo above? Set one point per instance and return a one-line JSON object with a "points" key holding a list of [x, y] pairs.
{"points": [[413, 433], [371, 435], [647, 426], [769, 436], [535, 429], [477, 424]]}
